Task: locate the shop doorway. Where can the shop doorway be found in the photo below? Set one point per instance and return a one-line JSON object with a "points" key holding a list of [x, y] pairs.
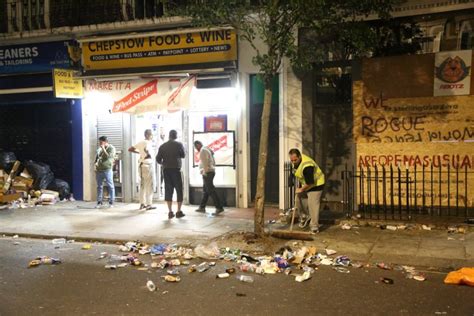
{"points": [[255, 114], [160, 124]]}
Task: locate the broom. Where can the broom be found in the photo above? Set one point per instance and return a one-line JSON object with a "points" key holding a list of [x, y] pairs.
{"points": [[290, 234]]}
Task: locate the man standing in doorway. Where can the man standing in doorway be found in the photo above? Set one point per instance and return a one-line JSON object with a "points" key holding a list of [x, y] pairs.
{"points": [[308, 195], [145, 150], [104, 162], [169, 156], [207, 167]]}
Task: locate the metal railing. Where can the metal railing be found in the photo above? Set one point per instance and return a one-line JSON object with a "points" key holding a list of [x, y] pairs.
{"points": [[396, 192]]}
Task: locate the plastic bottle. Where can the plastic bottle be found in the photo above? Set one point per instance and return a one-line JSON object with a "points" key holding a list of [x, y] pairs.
{"points": [[58, 241], [151, 286], [245, 278]]}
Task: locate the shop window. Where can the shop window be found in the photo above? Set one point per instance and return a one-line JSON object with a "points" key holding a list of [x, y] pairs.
{"points": [[26, 15], [467, 39], [142, 9]]}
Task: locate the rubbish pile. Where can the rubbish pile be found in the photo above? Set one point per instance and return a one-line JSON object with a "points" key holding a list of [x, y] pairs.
{"points": [[300, 263], [29, 183]]}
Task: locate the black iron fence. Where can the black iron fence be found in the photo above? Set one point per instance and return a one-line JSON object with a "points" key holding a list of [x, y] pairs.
{"points": [[396, 192]]}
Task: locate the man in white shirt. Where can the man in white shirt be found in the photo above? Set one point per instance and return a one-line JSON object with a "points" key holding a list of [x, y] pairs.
{"points": [[145, 150], [207, 166]]}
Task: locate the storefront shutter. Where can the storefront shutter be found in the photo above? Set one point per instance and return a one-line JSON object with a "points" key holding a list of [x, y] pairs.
{"points": [[112, 127]]}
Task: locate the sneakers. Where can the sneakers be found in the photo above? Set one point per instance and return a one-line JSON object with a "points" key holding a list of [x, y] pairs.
{"points": [[304, 222], [170, 215], [201, 210], [150, 207], [142, 207], [98, 205], [180, 214], [218, 211], [314, 230], [111, 205]]}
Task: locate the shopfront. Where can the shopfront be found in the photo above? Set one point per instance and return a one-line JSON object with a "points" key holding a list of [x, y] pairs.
{"points": [[35, 123], [186, 81]]}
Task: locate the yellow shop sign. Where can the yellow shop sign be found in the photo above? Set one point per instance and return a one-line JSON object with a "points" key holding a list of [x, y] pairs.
{"points": [[160, 49], [66, 86]]}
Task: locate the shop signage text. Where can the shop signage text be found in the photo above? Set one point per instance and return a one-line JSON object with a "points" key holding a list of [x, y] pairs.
{"points": [[65, 85], [31, 58], [159, 50]]}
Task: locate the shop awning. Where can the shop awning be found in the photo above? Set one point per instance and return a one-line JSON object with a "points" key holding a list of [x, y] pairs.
{"points": [[142, 95]]}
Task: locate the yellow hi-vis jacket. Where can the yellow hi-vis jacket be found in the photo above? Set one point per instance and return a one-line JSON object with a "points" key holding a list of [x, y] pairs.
{"points": [[318, 173]]}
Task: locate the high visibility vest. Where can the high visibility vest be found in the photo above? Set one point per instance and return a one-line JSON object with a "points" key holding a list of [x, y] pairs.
{"points": [[318, 173]]}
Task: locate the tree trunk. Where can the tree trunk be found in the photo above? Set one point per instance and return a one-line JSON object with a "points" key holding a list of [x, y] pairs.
{"points": [[259, 221]]}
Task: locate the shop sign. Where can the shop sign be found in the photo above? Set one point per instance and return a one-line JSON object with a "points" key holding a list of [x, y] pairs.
{"points": [[161, 49], [65, 85], [141, 96], [453, 73], [34, 58], [221, 143]]}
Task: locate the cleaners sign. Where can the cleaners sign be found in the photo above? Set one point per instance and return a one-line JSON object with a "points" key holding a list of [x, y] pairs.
{"points": [[34, 58], [160, 49]]}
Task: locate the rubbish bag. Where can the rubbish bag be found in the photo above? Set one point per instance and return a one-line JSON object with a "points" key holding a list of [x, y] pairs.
{"points": [[62, 187], [210, 251], [7, 159], [41, 174], [461, 276]]}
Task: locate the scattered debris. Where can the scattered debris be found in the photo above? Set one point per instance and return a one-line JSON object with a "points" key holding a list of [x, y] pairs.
{"points": [[461, 276], [151, 286], [386, 280], [171, 278], [86, 247], [346, 226], [43, 260]]}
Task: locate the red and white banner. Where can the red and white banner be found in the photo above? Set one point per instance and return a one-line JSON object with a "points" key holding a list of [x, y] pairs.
{"points": [[221, 143], [141, 96]]}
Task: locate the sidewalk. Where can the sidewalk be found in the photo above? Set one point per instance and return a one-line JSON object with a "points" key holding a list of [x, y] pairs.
{"points": [[80, 221]]}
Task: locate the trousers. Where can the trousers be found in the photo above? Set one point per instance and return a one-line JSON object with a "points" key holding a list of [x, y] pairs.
{"points": [[308, 205], [146, 184]]}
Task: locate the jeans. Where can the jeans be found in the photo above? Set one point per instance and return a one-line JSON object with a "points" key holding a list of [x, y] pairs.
{"points": [[209, 190], [106, 175], [308, 205]]}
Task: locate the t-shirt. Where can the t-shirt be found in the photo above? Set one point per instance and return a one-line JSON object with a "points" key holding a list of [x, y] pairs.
{"points": [[145, 150], [170, 155]]}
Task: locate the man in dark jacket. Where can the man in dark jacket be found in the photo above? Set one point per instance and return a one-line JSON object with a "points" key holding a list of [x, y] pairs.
{"points": [[169, 157]]}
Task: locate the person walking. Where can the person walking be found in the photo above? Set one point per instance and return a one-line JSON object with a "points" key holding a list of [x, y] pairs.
{"points": [[103, 164], [169, 156], [308, 194], [207, 167], [145, 150]]}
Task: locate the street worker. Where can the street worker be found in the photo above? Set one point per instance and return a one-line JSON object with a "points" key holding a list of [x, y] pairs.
{"points": [[207, 167], [103, 165], [169, 157], [146, 168], [308, 194]]}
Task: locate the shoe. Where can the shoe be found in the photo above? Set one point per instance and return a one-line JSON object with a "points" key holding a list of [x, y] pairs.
{"points": [[150, 207], [99, 205], [314, 230], [170, 215], [180, 214], [218, 211], [201, 210], [304, 222], [111, 205], [142, 207]]}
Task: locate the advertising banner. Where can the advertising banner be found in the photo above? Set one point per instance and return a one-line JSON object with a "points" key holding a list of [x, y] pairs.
{"points": [[65, 85], [452, 73], [171, 48], [221, 143], [35, 58], [141, 96]]}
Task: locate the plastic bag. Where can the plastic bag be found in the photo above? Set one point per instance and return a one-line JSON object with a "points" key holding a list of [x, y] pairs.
{"points": [[41, 173], [461, 276], [7, 159], [210, 251], [62, 187]]}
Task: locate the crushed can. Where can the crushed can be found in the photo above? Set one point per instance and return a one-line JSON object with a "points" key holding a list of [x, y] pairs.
{"points": [[171, 278], [192, 268]]}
